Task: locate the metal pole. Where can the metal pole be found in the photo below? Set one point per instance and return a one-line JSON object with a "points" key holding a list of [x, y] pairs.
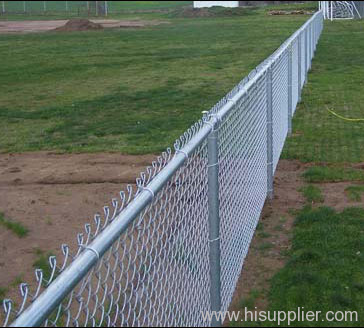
{"points": [[299, 66], [309, 45], [314, 29], [44, 6], [324, 9], [290, 103], [306, 53], [66, 5], [25, 8], [331, 11], [3, 3], [106, 8], [97, 8], [214, 222], [269, 132], [312, 42]]}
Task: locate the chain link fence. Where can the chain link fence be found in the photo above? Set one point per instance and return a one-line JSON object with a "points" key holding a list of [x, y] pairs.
{"points": [[72, 8], [173, 246], [85, 8]]}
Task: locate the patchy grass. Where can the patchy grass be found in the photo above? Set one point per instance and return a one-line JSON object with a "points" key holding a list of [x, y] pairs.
{"points": [[138, 90], [312, 194], [320, 174], [250, 301], [334, 83], [3, 292], [307, 5], [278, 227], [355, 193], [324, 271], [264, 234], [264, 246], [16, 227], [17, 281], [42, 262]]}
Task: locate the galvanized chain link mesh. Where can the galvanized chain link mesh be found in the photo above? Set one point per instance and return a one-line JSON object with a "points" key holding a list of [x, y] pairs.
{"points": [[243, 181], [295, 85], [151, 267], [51, 7], [303, 55], [280, 105], [157, 272]]}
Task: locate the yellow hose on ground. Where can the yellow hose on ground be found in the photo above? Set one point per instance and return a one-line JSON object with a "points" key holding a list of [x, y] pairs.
{"points": [[345, 118]]}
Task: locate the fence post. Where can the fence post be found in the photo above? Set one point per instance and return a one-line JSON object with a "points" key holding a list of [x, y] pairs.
{"points": [[306, 53], [269, 132], [299, 66], [312, 42], [309, 46], [106, 8], [214, 222], [3, 5], [24, 6], [290, 103]]}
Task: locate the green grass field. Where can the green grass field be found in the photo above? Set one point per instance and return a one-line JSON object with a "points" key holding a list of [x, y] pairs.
{"points": [[133, 90], [335, 83], [325, 270]]}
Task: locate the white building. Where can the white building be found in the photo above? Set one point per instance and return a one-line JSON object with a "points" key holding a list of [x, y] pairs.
{"points": [[208, 4]]}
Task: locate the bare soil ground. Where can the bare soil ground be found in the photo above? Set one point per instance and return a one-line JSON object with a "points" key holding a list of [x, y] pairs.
{"points": [[276, 222], [54, 196], [10, 27]]}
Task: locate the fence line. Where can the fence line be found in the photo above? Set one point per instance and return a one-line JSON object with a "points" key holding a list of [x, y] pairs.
{"points": [[175, 246], [80, 8]]}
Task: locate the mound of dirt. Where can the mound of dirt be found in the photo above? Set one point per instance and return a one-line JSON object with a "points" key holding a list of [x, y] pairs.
{"points": [[287, 12], [79, 25], [210, 12]]}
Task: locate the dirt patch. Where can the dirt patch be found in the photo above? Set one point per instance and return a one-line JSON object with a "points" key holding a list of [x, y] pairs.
{"points": [[336, 196], [79, 25], [11, 27], [290, 12], [54, 196], [209, 12], [272, 238]]}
